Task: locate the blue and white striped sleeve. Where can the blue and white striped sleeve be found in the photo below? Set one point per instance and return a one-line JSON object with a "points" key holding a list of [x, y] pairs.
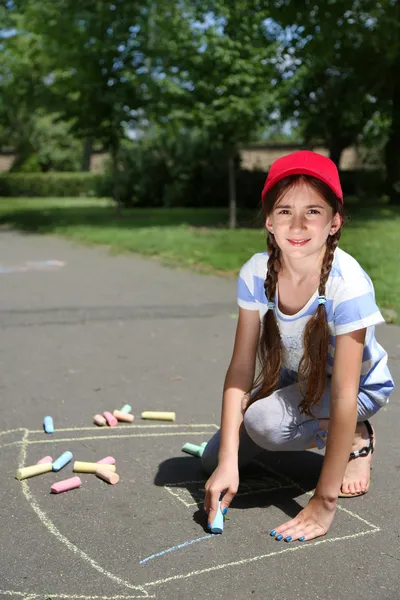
{"points": [[246, 287], [355, 307]]}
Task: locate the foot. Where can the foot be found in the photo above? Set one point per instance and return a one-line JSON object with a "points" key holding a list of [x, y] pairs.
{"points": [[357, 475]]}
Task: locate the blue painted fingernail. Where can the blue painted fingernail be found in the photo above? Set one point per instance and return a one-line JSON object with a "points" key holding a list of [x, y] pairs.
{"points": [[279, 537], [273, 532], [302, 538], [288, 538], [225, 510], [208, 526]]}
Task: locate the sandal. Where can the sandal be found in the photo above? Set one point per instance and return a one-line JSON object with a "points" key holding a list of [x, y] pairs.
{"points": [[359, 453]]}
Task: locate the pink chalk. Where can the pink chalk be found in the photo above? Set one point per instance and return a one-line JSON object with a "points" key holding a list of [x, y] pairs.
{"points": [[44, 460], [111, 420], [65, 485], [108, 460]]}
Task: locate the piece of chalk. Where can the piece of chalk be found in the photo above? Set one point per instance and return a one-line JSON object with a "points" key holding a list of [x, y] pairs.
{"points": [[121, 416], [45, 459], [158, 416], [65, 485], [192, 449], [217, 526], [203, 444], [90, 467], [107, 475], [26, 472], [62, 461], [108, 460], [99, 420], [127, 408], [111, 420], [48, 425]]}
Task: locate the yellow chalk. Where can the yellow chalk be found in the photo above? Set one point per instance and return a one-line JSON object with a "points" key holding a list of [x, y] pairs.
{"points": [[158, 416], [26, 472], [90, 467]]}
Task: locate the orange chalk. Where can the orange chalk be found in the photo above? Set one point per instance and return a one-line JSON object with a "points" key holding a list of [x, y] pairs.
{"points": [[107, 475], [121, 416]]}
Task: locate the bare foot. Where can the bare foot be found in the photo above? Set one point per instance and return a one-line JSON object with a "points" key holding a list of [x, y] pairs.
{"points": [[357, 475]]}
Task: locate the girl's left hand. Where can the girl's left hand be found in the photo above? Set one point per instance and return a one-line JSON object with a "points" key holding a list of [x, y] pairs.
{"points": [[311, 522]]}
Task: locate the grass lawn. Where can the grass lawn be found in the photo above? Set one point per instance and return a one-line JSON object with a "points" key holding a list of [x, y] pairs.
{"points": [[199, 238]]}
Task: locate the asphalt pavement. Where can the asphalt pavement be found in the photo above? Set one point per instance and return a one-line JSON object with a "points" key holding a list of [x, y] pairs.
{"points": [[84, 332]]}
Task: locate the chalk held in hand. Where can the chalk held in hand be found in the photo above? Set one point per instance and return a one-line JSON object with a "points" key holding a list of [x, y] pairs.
{"points": [[121, 416], [99, 420], [45, 459], [65, 485], [90, 467], [111, 420], [104, 473], [192, 449], [26, 472], [127, 408], [48, 425], [108, 460], [158, 416], [217, 526], [62, 461]]}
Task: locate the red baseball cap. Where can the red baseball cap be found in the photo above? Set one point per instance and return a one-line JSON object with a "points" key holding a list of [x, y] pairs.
{"points": [[304, 162]]}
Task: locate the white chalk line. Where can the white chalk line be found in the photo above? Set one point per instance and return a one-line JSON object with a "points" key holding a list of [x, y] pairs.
{"points": [[256, 558], [49, 525], [8, 431], [110, 437], [68, 596], [183, 484], [121, 427]]}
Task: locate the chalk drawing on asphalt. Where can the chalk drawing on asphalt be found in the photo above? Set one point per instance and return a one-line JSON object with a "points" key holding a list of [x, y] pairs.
{"points": [[36, 265], [268, 483]]}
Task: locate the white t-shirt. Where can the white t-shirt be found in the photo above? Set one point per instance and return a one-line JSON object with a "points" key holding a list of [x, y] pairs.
{"points": [[350, 305]]}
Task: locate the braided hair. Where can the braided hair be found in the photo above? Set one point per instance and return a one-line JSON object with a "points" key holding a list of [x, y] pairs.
{"points": [[312, 367]]}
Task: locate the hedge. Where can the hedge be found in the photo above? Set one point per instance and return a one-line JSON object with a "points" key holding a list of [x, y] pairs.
{"points": [[52, 184]]}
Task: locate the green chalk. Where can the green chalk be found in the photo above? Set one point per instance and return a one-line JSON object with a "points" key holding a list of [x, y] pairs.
{"points": [[126, 408], [193, 449], [203, 444]]}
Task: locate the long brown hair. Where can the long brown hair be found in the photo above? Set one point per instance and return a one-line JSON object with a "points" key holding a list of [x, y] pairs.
{"points": [[312, 367]]}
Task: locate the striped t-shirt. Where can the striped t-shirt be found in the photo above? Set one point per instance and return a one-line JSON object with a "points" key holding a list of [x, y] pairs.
{"points": [[350, 305]]}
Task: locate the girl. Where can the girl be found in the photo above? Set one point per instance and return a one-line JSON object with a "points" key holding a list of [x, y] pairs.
{"points": [[309, 310]]}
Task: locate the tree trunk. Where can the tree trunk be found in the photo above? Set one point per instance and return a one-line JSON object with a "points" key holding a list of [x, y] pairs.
{"points": [[232, 191], [336, 148], [87, 154], [392, 149], [115, 176]]}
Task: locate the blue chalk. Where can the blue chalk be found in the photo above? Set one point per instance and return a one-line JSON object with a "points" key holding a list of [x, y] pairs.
{"points": [[48, 425], [217, 526], [62, 461]]}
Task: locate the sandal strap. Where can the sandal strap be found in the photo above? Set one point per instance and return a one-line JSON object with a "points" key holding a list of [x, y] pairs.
{"points": [[366, 449]]}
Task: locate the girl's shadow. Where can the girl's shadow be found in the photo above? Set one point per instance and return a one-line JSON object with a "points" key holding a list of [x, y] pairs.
{"points": [[272, 479]]}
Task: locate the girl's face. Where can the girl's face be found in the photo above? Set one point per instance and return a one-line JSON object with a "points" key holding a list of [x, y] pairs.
{"points": [[301, 221]]}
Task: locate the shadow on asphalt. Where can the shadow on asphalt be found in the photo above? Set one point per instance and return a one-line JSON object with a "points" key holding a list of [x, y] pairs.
{"points": [[273, 479]]}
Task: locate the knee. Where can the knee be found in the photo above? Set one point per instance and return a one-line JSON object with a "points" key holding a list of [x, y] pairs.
{"points": [[264, 424]]}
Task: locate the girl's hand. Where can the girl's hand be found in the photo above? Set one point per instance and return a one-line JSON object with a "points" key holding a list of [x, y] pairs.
{"points": [[311, 522], [225, 479]]}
